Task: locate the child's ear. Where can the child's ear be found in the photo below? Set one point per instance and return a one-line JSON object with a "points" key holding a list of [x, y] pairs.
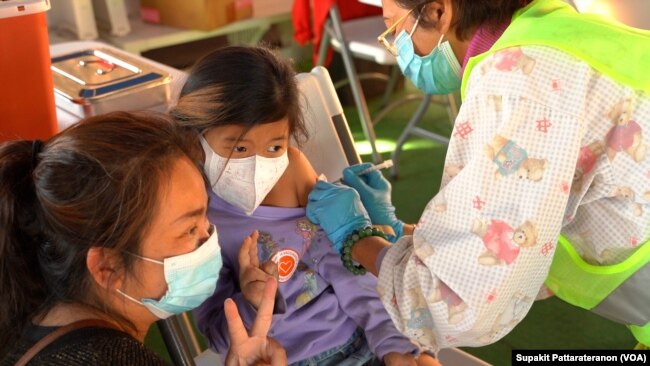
{"points": [[105, 267]]}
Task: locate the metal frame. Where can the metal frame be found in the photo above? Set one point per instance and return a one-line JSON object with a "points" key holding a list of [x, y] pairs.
{"points": [[412, 128], [181, 342], [334, 30]]}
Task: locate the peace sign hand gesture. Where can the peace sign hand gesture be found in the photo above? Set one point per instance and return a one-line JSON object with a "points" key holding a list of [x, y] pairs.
{"points": [[256, 348]]}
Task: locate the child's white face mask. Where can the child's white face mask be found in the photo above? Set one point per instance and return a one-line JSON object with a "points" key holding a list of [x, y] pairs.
{"points": [[244, 183]]}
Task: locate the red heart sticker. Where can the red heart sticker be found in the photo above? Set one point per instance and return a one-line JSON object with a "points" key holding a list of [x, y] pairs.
{"points": [[287, 261]]}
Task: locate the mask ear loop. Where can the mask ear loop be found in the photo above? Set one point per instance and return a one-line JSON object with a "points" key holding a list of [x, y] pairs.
{"points": [[129, 297], [449, 55], [145, 258], [440, 40], [442, 35], [149, 259], [417, 21]]}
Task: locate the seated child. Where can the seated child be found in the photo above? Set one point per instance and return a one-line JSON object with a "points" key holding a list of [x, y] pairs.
{"points": [[245, 103]]}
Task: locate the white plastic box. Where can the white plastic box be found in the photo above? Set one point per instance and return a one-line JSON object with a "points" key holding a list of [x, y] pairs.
{"points": [[75, 16], [112, 17]]}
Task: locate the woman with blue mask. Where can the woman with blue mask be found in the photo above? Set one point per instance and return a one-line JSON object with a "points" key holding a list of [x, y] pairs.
{"points": [[545, 187], [437, 72], [104, 232]]}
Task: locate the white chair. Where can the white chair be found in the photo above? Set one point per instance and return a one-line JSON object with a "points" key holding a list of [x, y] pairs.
{"points": [[331, 146], [357, 38]]}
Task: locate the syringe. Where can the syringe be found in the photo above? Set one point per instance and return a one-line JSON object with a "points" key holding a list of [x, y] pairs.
{"points": [[383, 165]]}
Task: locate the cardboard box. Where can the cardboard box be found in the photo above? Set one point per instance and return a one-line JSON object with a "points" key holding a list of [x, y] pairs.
{"points": [[243, 9], [266, 8], [191, 14]]}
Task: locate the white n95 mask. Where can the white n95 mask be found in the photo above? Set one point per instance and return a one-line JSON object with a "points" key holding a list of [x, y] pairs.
{"points": [[191, 278], [245, 182]]}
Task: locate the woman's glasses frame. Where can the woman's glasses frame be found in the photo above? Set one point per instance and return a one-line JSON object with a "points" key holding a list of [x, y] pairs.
{"points": [[388, 45]]}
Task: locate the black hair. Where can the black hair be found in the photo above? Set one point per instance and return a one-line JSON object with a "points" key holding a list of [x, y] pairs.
{"points": [[468, 14], [96, 184], [242, 85]]}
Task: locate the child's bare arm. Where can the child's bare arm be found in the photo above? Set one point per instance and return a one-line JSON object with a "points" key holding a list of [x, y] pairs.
{"points": [[304, 175]]}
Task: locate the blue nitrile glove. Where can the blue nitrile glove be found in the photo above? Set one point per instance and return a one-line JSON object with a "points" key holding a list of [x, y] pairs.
{"points": [[338, 210], [374, 190]]}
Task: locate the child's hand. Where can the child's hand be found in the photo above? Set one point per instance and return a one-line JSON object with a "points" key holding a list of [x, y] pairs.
{"points": [[252, 277], [426, 359], [400, 359]]}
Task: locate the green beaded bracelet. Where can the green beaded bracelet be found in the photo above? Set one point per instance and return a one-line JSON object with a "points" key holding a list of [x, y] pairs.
{"points": [[346, 252]]}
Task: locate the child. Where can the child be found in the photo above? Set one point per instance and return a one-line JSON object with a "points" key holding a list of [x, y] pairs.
{"points": [[245, 103]]}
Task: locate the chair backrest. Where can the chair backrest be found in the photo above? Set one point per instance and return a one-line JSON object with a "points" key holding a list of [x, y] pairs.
{"points": [[330, 147]]}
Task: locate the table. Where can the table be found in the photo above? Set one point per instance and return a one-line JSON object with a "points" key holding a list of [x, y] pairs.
{"points": [[145, 36]]}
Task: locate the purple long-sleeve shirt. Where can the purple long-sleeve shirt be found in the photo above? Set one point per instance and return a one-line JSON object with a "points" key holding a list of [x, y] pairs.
{"points": [[325, 302]]}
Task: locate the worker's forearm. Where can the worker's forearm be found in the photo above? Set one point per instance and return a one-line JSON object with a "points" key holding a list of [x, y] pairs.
{"points": [[408, 229], [366, 250]]}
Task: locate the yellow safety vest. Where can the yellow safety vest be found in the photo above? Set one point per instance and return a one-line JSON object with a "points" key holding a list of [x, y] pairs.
{"points": [[623, 54]]}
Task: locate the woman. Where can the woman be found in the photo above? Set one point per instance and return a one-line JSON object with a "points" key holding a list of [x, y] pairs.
{"points": [[549, 141], [102, 224]]}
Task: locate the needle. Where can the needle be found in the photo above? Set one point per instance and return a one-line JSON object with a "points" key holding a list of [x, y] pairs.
{"points": [[383, 165]]}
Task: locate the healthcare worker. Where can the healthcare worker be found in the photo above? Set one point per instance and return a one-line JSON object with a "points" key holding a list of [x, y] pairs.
{"points": [[103, 231], [547, 175]]}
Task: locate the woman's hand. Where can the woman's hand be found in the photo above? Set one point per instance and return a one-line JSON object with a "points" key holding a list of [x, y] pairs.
{"points": [[375, 193], [255, 348], [338, 210], [252, 276]]}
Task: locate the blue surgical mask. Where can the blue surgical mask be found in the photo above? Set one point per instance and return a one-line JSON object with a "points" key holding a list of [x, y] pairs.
{"points": [[191, 278], [436, 73]]}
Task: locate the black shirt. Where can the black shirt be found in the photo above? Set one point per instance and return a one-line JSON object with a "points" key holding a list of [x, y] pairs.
{"points": [[84, 346]]}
